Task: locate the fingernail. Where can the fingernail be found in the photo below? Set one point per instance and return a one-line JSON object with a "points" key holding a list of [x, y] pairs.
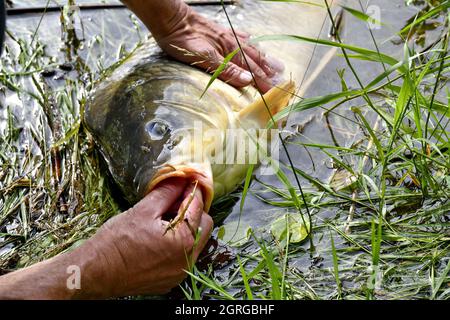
{"points": [[275, 64], [245, 76], [277, 80]]}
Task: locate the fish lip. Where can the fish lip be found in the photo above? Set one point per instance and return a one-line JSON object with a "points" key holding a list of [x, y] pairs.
{"points": [[203, 177]]}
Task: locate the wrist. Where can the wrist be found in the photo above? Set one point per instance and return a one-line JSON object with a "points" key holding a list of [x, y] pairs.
{"points": [[101, 267], [93, 270], [178, 20], [66, 276], [162, 18]]}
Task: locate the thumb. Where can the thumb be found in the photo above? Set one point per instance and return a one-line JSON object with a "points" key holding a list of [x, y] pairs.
{"points": [[161, 198]]}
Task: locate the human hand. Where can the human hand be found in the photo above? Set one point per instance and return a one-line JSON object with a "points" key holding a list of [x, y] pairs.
{"points": [[130, 254], [198, 41], [140, 254]]}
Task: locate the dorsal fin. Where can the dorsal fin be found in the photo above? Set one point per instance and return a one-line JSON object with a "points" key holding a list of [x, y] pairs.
{"points": [[276, 99]]}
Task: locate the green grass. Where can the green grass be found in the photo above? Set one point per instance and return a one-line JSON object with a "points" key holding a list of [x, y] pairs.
{"points": [[378, 226], [49, 166], [400, 229]]}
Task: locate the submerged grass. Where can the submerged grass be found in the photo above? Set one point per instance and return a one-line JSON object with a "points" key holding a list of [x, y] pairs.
{"points": [[379, 224], [52, 193]]}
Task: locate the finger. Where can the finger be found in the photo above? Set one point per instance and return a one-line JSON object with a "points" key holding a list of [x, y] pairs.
{"points": [[250, 65], [242, 34], [233, 74], [263, 82], [236, 76], [206, 226], [161, 198], [269, 65]]}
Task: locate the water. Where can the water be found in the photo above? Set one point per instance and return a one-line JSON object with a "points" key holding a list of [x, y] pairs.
{"points": [[104, 36]]}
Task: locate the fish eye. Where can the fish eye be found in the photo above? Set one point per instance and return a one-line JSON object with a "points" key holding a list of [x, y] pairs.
{"points": [[157, 129]]}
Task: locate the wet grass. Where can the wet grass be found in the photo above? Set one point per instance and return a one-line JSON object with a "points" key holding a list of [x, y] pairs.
{"points": [[392, 190], [379, 224], [53, 194]]}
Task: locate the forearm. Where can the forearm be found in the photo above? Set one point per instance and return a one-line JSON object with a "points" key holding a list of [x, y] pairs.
{"points": [[160, 16], [74, 275]]}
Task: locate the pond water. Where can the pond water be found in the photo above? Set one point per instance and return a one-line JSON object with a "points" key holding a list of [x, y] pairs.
{"points": [[96, 39]]}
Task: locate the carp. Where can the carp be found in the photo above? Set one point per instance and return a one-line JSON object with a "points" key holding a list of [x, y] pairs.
{"points": [[145, 114]]}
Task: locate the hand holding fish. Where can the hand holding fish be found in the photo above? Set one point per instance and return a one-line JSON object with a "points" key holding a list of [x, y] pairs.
{"points": [[141, 254], [130, 254], [189, 37]]}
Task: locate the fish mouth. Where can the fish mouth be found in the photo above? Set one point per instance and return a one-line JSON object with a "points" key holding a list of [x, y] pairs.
{"points": [[198, 173]]}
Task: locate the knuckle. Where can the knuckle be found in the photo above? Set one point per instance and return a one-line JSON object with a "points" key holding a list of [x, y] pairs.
{"points": [[188, 240], [111, 223], [210, 54], [223, 33], [230, 72], [259, 72]]}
